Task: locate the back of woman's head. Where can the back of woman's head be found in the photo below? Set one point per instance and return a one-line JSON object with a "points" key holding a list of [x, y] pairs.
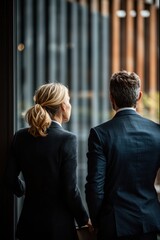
{"points": [[48, 99]]}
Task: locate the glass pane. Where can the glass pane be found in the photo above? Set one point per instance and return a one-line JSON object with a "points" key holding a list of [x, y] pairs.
{"points": [[81, 43]]}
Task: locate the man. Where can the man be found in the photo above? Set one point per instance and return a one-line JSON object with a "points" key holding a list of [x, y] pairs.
{"points": [[123, 160]]}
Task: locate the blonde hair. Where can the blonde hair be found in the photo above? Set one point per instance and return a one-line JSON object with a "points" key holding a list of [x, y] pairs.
{"points": [[47, 100]]}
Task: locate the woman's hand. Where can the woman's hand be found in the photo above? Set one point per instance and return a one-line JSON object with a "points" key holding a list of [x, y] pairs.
{"points": [[90, 227]]}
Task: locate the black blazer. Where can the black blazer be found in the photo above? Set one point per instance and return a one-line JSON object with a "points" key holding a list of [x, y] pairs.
{"points": [[52, 199], [123, 160]]}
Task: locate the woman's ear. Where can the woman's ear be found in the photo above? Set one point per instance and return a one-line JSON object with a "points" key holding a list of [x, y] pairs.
{"points": [[63, 106]]}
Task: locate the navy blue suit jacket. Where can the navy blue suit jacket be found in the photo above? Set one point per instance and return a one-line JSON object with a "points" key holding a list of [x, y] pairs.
{"points": [[123, 160], [52, 199]]}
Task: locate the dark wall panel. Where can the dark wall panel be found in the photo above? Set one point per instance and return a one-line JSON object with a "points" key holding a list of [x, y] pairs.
{"points": [[6, 109]]}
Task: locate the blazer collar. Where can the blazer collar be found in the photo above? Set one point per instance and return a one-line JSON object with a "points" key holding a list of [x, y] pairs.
{"points": [[126, 112], [55, 125]]}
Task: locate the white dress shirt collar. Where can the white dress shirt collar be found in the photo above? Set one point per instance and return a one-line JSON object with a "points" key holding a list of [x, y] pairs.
{"points": [[126, 108]]}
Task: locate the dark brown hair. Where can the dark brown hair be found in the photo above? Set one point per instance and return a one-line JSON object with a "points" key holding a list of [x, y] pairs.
{"points": [[125, 88]]}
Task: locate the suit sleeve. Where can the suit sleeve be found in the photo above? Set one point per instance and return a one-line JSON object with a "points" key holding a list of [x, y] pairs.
{"points": [[69, 173], [12, 179], [94, 187]]}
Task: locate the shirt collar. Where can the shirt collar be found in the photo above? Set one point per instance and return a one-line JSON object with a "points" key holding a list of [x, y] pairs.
{"points": [[126, 108]]}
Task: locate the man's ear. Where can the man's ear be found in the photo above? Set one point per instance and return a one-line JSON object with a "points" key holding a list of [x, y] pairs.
{"points": [[111, 98], [114, 106], [140, 96]]}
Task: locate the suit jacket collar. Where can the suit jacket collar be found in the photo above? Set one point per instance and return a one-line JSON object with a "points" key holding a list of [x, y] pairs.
{"points": [[126, 112], [55, 125]]}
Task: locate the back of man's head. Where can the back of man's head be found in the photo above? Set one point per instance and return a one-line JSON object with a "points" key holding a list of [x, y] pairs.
{"points": [[125, 88]]}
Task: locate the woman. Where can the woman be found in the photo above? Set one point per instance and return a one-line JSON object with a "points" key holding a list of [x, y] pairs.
{"points": [[46, 154]]}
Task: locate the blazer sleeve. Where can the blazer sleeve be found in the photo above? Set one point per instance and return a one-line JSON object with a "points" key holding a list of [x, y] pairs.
{"points": [[14, 183], [69, 175], [94, 187]]}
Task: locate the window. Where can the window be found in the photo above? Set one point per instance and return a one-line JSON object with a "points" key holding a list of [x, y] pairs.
{"points": [[81, 43]]}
